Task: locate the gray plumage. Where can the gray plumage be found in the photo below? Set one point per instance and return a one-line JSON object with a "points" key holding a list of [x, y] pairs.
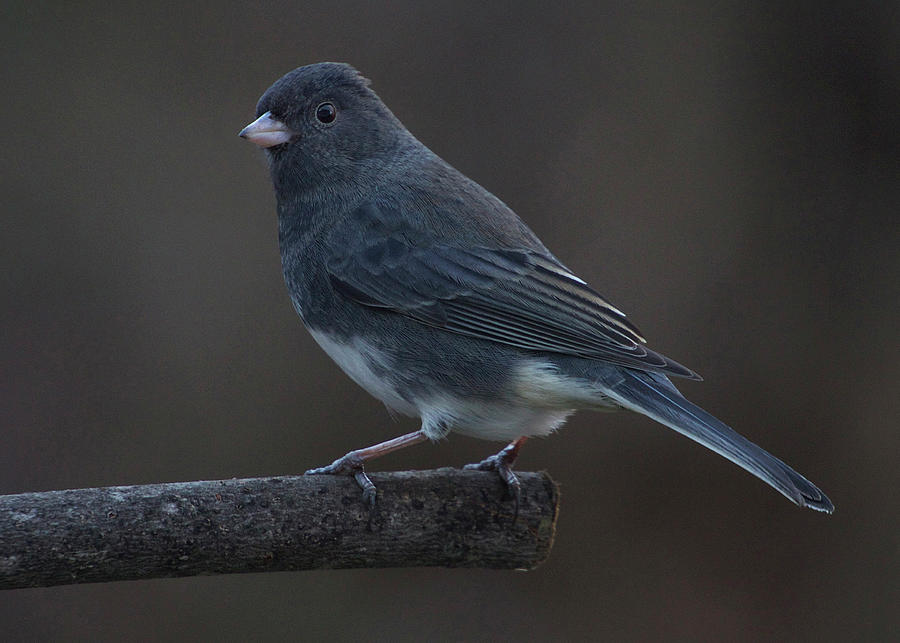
{"points": [[435, 297]]}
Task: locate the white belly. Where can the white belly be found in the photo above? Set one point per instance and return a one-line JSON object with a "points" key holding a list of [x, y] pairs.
{"points": [[538, 402], [354, 359]]}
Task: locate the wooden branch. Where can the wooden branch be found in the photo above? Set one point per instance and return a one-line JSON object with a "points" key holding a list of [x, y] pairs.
{"points": [[444, 517]]}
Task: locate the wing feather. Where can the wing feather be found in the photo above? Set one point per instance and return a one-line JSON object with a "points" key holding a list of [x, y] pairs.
{"points": [[519, 297]]}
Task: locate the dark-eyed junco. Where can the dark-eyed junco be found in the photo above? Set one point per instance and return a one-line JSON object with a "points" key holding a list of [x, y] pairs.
{"points": [[438, 300]]}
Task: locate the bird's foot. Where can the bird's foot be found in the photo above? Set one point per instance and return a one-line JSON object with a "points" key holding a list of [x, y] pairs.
{"points": [[352, 465], [502, 463]]}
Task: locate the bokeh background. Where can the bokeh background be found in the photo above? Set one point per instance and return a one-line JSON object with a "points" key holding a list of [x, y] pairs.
{"points": [[727, 173]]}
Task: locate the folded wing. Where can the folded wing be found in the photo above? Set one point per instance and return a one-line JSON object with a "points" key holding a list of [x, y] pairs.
{"points": [[518, 297]]}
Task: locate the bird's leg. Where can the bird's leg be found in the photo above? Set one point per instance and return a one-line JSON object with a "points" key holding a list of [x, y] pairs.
{"points": [[502, 463], [352, 463]]}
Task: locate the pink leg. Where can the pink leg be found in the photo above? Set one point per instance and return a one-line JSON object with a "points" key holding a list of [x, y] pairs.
{"points": [[352, 463]]}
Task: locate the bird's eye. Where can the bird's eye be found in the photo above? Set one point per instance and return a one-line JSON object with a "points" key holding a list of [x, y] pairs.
{"points": [[326, 113]]}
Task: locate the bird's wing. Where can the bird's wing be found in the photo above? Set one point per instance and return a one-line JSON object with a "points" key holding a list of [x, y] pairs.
{"points": [[519, 297]]}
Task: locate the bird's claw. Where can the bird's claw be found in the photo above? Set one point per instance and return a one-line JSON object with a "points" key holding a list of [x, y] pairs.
{"points": [[500, 463], [369, 492], [350, 465]]}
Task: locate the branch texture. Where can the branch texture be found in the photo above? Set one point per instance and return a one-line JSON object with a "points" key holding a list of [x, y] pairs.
{"points": [[444, 517]]}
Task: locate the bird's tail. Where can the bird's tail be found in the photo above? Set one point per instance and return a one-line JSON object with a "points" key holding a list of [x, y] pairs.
{"points": [[657, 398]]}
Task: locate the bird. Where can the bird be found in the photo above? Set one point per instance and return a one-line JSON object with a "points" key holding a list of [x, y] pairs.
{"points": [[436, 298]]}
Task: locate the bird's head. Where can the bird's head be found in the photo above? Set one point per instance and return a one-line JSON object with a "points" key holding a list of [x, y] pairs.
{"points": [[322, 125]]}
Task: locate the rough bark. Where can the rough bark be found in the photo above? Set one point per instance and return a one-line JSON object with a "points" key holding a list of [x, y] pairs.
{"points": [[445, 517]]}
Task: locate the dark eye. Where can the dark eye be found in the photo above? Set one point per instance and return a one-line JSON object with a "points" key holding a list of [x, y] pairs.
{"points": [[326, 113]]}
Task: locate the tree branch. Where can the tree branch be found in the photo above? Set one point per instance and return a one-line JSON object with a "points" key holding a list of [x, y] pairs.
{"points": [[444, 517]]}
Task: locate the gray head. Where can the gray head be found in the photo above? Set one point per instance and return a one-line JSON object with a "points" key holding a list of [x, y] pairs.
{"points": [[322, 125]]}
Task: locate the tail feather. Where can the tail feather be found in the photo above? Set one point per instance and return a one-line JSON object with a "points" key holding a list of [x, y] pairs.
{"points": [[656, 397]]}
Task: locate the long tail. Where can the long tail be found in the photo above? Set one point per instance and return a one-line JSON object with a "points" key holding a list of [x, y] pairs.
{"points": [[657, 398]]}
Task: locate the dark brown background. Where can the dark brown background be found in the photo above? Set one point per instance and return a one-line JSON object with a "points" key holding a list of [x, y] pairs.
{"points": [[725, 173]]}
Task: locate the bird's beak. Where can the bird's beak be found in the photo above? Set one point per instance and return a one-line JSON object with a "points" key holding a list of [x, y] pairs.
{"points": [[266, 131]]}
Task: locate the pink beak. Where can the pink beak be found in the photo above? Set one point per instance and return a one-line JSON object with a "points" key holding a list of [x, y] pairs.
{"points": [[266, 131]]}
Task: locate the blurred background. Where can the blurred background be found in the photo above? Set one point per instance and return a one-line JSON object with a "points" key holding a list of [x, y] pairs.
{"points": [[726, 173]]}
